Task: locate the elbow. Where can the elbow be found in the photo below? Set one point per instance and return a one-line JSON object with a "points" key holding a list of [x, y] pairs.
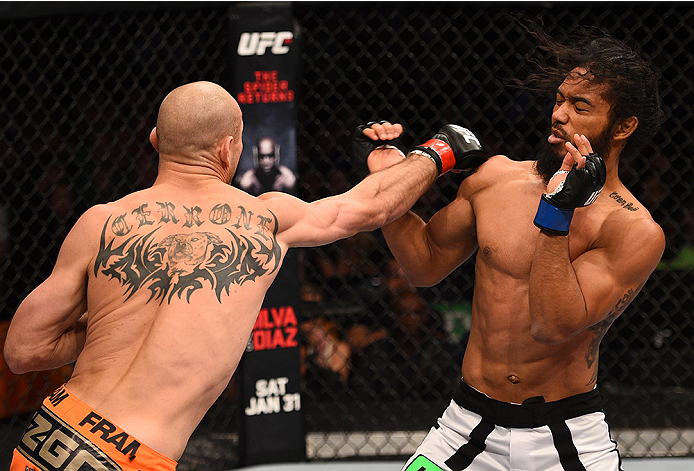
{"points": [[551, 324], [421, 281], [421, 278], [19, 360], [15, 362]]}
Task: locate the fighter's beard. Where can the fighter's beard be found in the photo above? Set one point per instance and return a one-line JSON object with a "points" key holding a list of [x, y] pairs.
{"points": [[549, 159], [551, 156]]}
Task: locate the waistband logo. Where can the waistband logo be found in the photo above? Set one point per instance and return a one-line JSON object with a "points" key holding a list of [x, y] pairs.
{"points": [[105, 431], [58, 396], [54, 446]]}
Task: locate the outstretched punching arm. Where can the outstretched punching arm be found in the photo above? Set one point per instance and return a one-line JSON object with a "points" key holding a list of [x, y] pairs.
{"points": [[379, 199]]}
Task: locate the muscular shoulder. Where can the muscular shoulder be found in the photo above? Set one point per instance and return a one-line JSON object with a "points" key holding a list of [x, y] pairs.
{"points": [[89, 223], [498, 169], [632, 219], [287, 208], [628, 227]]}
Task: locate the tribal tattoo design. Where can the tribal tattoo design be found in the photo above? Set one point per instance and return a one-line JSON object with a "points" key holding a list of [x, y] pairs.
{"points": [[180, 264]]}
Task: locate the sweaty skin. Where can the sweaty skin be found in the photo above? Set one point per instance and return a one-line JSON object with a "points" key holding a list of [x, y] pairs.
{"points": [[172, 277], [541, 303]]}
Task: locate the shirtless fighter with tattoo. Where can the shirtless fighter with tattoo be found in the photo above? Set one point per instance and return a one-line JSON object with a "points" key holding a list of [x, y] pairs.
{"points": [[564, 247], [155, 295]]}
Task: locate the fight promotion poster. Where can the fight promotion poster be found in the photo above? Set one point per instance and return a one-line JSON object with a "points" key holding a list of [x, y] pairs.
{"points": [[265, 70]]}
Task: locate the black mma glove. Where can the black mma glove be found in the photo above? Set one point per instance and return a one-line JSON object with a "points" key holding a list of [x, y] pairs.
{"points": [[581, 188], [453, 148], [362, 145]]}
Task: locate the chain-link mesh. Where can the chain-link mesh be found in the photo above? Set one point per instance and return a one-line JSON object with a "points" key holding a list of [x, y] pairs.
{"points": [[80, 94]]}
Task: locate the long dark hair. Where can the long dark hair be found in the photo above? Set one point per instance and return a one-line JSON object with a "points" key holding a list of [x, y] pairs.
{"points": [[632, 85]]}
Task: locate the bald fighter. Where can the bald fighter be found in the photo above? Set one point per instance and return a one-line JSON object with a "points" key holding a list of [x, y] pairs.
{"points": [[155, 295], [564, 247]]}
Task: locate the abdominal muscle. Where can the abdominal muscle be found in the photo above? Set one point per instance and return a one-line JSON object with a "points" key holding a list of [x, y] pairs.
{"points": [[502, 359]]}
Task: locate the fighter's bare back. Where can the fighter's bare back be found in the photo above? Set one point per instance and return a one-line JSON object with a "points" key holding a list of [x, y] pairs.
{"points": [[166, 312]]}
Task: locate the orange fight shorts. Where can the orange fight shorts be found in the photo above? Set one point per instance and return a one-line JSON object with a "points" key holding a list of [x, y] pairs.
{"points": [[65, 433]]}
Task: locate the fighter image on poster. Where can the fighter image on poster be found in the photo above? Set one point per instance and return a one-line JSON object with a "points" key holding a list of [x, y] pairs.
{"points": [[267, 173]]}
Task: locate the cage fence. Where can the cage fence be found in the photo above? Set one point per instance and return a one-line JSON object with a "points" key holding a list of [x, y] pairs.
{"points": [[80, 94]]}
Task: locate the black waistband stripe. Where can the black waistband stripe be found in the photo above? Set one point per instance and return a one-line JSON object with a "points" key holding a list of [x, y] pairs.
{"points": [[529, 415]]}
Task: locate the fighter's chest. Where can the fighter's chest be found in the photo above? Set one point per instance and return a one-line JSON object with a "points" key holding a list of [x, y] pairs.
{"points": [[506, 234]]}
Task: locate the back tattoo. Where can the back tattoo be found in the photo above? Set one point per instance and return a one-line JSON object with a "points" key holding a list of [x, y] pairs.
{"points": [[182, 263]]}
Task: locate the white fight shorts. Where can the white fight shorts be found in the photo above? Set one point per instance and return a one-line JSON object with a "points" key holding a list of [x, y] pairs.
{"points": [[477, 433]]}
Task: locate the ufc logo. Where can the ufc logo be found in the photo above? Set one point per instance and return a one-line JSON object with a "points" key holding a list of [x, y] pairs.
{"points": [[255, 44]]}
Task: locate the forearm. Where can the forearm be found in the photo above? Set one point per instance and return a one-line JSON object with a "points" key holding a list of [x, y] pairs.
{"points": [[557, 304], [69, 345], [26, 356], [384, 196], [402, 185]]}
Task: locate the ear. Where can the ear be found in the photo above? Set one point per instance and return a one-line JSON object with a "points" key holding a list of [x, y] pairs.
{"points": [[226, 155], [154, 139], [625, 128]]}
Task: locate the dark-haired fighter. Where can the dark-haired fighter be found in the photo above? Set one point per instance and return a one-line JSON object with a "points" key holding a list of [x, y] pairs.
{"points": [[562, 248]]}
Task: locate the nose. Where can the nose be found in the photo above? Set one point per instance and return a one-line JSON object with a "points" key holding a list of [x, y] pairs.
{"points": [[183, 247], [560, 113]]}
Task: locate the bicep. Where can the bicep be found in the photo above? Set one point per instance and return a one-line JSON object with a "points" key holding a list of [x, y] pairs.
{"points": [[428, 252], [452, 231], [302, 224]]}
